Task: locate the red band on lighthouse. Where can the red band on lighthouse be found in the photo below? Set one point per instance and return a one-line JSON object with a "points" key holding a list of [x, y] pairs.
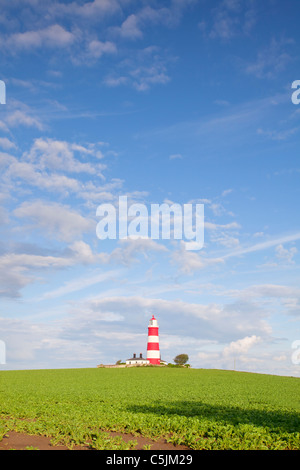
{"points": [[153, 347], [153, 353], [152, 330]]}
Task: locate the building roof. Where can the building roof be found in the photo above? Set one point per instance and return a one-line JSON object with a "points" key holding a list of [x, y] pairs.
{"points": [[134, 358]]}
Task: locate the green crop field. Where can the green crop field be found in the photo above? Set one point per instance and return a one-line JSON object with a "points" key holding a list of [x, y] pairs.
{"points": [[202, 409]]}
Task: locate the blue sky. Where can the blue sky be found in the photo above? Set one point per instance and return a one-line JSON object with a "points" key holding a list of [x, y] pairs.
{"points": [[186, 101]]}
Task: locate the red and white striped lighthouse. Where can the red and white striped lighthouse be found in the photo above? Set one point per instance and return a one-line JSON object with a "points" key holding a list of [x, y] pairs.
{"points": [[153, 354]]}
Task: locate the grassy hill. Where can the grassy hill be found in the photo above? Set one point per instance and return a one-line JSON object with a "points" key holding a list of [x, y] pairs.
{"points": [[203, 409]]}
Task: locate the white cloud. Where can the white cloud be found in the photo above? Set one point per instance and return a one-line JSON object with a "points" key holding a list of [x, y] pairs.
{"points": [[96, 7], [93, 10], [28, 173], [20, 269], [129, 249], [175, 156], [130, 28], [7, 144], [3, 127], [147, 68], [241, 346], [145, 76], [271, 60], [115, 81], [60, 155], [188, 262], [17, 270], [271, 296], [24, 261], [5, 160], [286, 254], [57, 221], [97, 48], [230, 18], [131, 304], [12, 280], [46, 164], [18, 117], [82, 253], [226, 192], [52, 36]]}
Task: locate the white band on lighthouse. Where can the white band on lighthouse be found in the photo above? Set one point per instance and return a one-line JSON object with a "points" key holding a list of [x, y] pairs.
{"points": [[153, 355], [153, 339]]}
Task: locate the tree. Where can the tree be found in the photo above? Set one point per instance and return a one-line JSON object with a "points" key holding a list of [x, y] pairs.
{"points": [[181, 359]]}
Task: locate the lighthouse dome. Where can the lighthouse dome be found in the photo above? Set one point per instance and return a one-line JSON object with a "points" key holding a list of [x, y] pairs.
{"points": [[153, 321]]}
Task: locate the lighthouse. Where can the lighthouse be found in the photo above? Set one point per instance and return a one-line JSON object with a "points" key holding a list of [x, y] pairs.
{"points": [[153, 354]]}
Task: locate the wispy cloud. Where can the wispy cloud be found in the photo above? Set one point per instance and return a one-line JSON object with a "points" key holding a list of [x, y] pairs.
{"points": [[272, 59], [263, 245], [189, 262], [175, 156], [146, 68], [80, 283], [230, 18], [278, 134]]}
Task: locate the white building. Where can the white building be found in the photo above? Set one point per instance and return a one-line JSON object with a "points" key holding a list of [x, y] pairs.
{"points": [[137, 361]]}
